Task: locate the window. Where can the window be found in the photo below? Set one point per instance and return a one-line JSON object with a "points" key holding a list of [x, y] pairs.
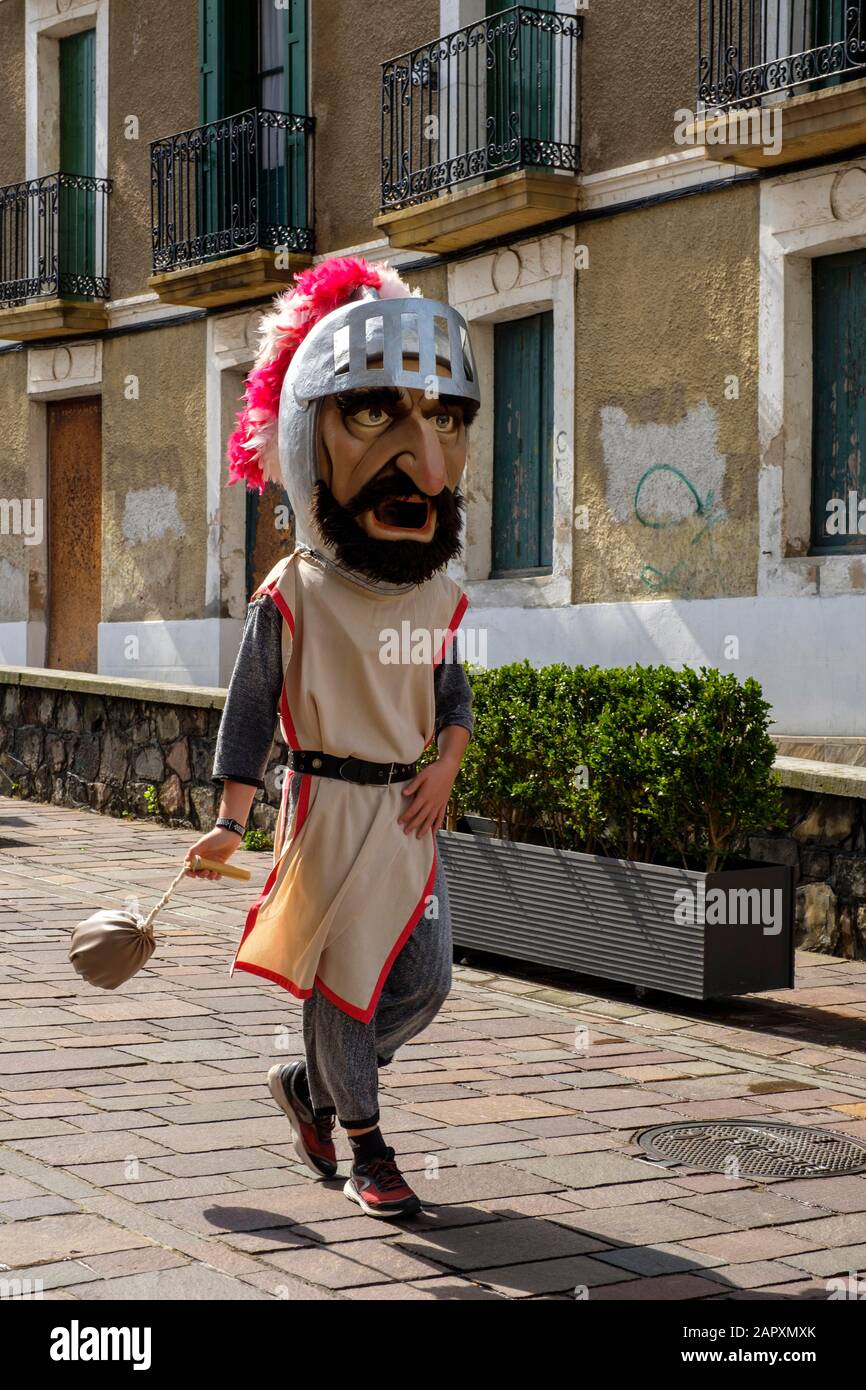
{"points": [[839, 403], [252, 54], [522, 445]]}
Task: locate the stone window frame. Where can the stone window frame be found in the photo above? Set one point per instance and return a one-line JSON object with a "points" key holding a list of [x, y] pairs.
{"points": [[805, 215], [511, 283], [232, 341]]}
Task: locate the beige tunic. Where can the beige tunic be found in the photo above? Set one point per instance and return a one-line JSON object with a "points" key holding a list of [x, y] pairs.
{"points": [[347, 885]]}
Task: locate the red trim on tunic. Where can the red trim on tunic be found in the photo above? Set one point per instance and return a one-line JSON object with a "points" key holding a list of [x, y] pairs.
{"points": [[273, 591], [456, 620], [288, 725], [300, 817], [362, 1015]]}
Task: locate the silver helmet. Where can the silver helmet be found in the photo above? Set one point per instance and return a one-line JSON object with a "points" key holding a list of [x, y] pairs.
{"points": [[336, 356]]}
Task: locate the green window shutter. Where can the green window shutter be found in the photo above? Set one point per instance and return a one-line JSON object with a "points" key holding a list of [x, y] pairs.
{"points": [[296, 59], [523, 445], [78, 103], [76, 249], [210, 60], [838, 397], [524, 89]]}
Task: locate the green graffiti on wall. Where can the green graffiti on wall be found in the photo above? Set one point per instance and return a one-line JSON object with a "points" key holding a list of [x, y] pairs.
{"points": [[681, 575]]}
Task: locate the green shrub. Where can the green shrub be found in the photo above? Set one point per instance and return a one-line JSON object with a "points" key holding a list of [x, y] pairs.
{"points": [[257, 839], [643, 763]]}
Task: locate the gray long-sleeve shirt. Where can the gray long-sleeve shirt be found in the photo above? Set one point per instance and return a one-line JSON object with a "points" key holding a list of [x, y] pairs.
{"points": [[249, 718]]}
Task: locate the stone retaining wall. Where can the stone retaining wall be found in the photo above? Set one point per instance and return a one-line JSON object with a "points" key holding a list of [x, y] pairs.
{"points": [[824, 842], [114, 746]]}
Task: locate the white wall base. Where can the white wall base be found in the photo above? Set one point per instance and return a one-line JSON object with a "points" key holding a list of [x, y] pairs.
{"points": [[22, 643], [13, 644], [808, 653], [196, 652]]}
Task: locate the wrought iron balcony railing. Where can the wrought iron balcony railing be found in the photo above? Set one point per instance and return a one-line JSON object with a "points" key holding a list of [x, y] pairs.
{"points": [[495, 96], [749, 49], [230, 186], [54, 239]]}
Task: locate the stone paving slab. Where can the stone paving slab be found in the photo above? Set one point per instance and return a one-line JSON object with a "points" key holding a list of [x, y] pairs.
{"points": [[141, 1155]]}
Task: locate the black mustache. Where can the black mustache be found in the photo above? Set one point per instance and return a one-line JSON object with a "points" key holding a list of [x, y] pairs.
{"points": [[395, 561], [382, 489]]}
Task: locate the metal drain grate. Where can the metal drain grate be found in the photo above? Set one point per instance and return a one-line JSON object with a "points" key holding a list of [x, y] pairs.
{"points": [[759, 1148]]}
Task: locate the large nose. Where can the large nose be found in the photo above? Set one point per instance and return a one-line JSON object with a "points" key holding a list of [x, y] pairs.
{"points": [[418, 453]]}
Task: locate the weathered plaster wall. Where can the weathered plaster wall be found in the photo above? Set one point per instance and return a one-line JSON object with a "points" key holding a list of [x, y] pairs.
{"points": [[154, 77], [637, 69], [666, 462], [12, 88], [14, 486], [433, 283], [154, 499], [348, 44]]}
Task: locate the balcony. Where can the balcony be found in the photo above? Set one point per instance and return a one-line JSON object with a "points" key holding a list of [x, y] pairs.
{"points": [[479, 131], [801, 61], [53, 256], [231, 208]]}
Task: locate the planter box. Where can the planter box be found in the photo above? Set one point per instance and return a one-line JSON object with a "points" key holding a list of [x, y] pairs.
{"points": [[699, 935]]}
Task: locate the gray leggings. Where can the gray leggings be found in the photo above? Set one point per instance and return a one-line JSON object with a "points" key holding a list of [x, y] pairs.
{"points": [[343, 1055]]}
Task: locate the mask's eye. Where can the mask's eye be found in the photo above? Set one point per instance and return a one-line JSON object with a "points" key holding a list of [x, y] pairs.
{"points": [[370, 417], [446, 423]]}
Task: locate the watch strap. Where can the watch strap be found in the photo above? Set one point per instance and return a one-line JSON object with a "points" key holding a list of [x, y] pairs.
{"points": [[227, 823]]}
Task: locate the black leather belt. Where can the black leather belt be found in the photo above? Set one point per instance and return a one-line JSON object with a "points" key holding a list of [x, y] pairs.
{"points": [[350, 769]]}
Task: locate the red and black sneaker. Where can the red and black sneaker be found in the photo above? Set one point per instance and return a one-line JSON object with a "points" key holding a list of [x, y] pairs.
{"points": [[314, 1134], [380, 1189]]}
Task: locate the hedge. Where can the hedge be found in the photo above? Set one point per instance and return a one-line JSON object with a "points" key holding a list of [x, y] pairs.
{"points": [[643, 763]]}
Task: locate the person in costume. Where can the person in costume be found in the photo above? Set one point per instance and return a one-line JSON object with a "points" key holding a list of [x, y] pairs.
{"points": [[359, 401]]}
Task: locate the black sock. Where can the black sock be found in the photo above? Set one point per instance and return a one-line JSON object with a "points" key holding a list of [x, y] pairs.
{"points": [[367, 1146], [302, 1086]]}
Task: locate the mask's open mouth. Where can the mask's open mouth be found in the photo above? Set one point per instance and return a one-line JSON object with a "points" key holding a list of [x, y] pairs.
{"points": [[404, 513]]}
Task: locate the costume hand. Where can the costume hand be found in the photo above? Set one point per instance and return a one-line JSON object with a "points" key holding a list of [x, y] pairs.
{"points": [[429, 793], [216, 844]]}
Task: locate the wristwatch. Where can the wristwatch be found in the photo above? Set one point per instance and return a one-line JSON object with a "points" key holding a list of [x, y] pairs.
{"points": [[226, 823]]}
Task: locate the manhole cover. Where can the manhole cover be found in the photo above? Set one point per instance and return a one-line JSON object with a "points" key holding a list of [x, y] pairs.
{"points": [[758, 1149]]}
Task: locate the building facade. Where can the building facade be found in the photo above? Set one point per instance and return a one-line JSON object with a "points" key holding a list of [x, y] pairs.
{"points": [[654, 219]]}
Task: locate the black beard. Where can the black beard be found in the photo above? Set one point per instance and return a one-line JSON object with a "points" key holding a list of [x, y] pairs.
{"points": [[391, 562]]}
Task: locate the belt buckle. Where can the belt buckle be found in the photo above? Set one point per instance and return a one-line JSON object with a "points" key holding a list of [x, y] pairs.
{"points": [[391, 773]]}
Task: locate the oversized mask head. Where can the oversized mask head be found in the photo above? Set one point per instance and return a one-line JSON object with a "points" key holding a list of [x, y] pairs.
{"points": [[374, 405]]}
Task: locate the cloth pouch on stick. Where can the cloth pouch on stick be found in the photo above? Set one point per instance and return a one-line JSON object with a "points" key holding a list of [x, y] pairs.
{"points": [[112, 945]]}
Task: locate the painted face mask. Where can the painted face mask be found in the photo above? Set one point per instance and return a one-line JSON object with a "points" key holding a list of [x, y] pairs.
{"points": [[374, 401]]}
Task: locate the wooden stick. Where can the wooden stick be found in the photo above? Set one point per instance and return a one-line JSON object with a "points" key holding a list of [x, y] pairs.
{"points": [[216, 866]]}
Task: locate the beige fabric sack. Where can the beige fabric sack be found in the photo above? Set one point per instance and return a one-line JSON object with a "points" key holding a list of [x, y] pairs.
{"points": [[110, 947]]}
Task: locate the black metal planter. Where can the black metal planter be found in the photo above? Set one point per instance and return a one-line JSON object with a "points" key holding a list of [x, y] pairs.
{"points": [[699, 935]]}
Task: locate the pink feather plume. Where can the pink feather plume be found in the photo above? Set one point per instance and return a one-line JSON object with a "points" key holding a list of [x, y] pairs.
{"points": [[252, 448]]}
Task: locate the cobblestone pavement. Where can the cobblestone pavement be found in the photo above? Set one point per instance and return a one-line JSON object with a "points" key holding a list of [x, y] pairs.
{"points": [[141, 1155]]}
